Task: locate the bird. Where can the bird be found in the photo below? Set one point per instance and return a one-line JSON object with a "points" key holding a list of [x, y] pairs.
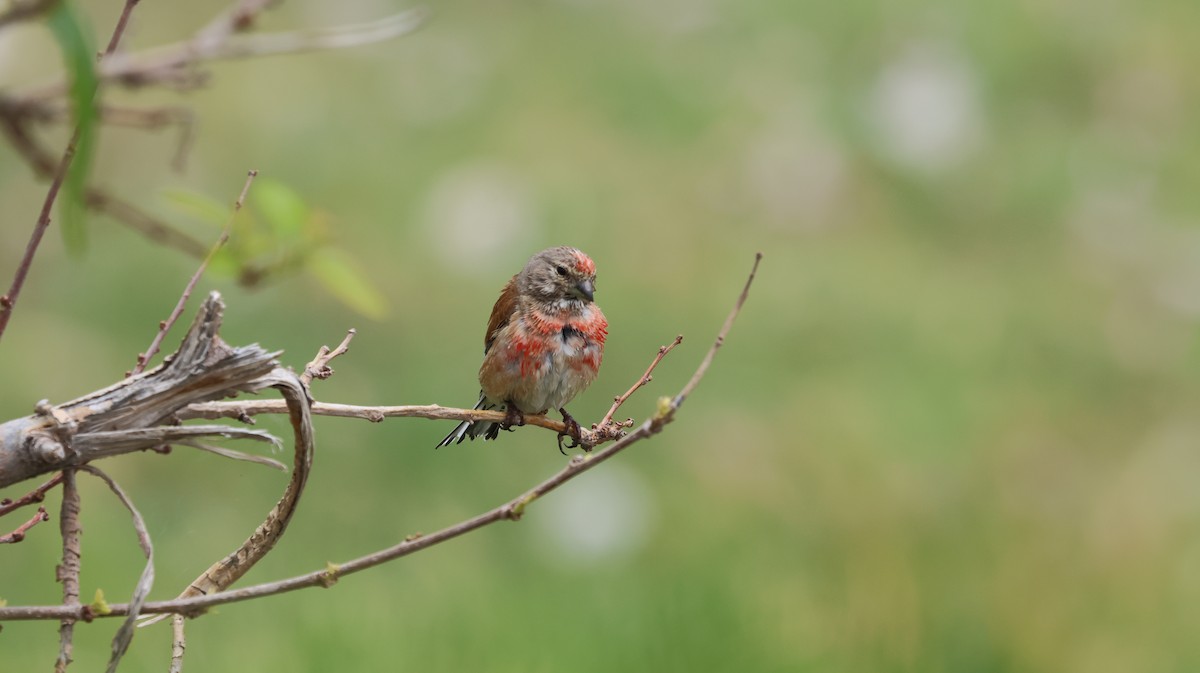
{"points": [[543, 345]]}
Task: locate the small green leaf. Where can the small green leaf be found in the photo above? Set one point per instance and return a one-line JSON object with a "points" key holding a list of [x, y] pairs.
{"points": [[664, 407], [340, 275], [99, 605], [282, 207], [200, 206], [75, 41]]}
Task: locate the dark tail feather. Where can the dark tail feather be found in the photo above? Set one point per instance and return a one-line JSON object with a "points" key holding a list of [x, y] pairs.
{"points": [[470, 429]]}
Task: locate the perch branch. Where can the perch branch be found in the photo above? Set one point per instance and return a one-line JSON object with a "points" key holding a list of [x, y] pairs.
{"points": [[243, 409], [511, 511], [165, 326]]}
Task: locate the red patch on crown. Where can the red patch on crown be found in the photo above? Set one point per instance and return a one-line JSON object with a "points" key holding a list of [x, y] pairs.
{"points": [[584, 263]]}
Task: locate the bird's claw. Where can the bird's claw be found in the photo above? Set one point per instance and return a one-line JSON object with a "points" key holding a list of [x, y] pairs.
{"points": [[513, 418], [573, 432]]}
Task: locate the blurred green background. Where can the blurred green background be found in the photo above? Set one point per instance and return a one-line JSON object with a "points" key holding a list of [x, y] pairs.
{"points": [[956, 428]]}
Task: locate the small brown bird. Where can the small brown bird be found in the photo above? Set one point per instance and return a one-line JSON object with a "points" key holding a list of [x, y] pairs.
{"points": [[543, 345]]}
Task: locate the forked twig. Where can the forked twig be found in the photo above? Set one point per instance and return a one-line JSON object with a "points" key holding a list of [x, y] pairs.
{"points": [[606, 424], [319, 367]]}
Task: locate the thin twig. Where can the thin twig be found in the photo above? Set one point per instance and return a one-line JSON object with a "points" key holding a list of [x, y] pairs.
{"points": [[165, 325], [512, 510], [68, 570], [124, 634], [712, 352], [36, 495], [319, 367], [19, 533], [122, 23], [9, 300], [234, 455]]}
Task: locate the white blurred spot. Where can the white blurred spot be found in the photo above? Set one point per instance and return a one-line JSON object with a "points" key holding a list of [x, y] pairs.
{"points": [[480, 216], [605, 516], [925, 109]]}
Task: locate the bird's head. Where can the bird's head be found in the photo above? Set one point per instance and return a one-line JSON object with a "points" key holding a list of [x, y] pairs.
{"points": [[562, 276]]}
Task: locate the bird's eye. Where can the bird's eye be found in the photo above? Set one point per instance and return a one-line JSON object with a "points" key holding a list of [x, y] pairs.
{"points": [[562, 271]]}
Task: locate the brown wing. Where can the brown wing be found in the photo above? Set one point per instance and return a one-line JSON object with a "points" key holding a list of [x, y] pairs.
{"points": [[501, 312]]}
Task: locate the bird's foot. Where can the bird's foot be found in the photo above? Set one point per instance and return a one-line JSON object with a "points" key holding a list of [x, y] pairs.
{"points": [[573, 432], [513, 418]]}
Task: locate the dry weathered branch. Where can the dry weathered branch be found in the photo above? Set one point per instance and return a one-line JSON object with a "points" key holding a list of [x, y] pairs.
{"points": [[512, 510], [18, 533], [138, 412], [165, 326]]}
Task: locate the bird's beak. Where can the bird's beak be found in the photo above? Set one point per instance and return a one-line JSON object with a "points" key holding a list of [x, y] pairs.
{"points": [[585, 289]]}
